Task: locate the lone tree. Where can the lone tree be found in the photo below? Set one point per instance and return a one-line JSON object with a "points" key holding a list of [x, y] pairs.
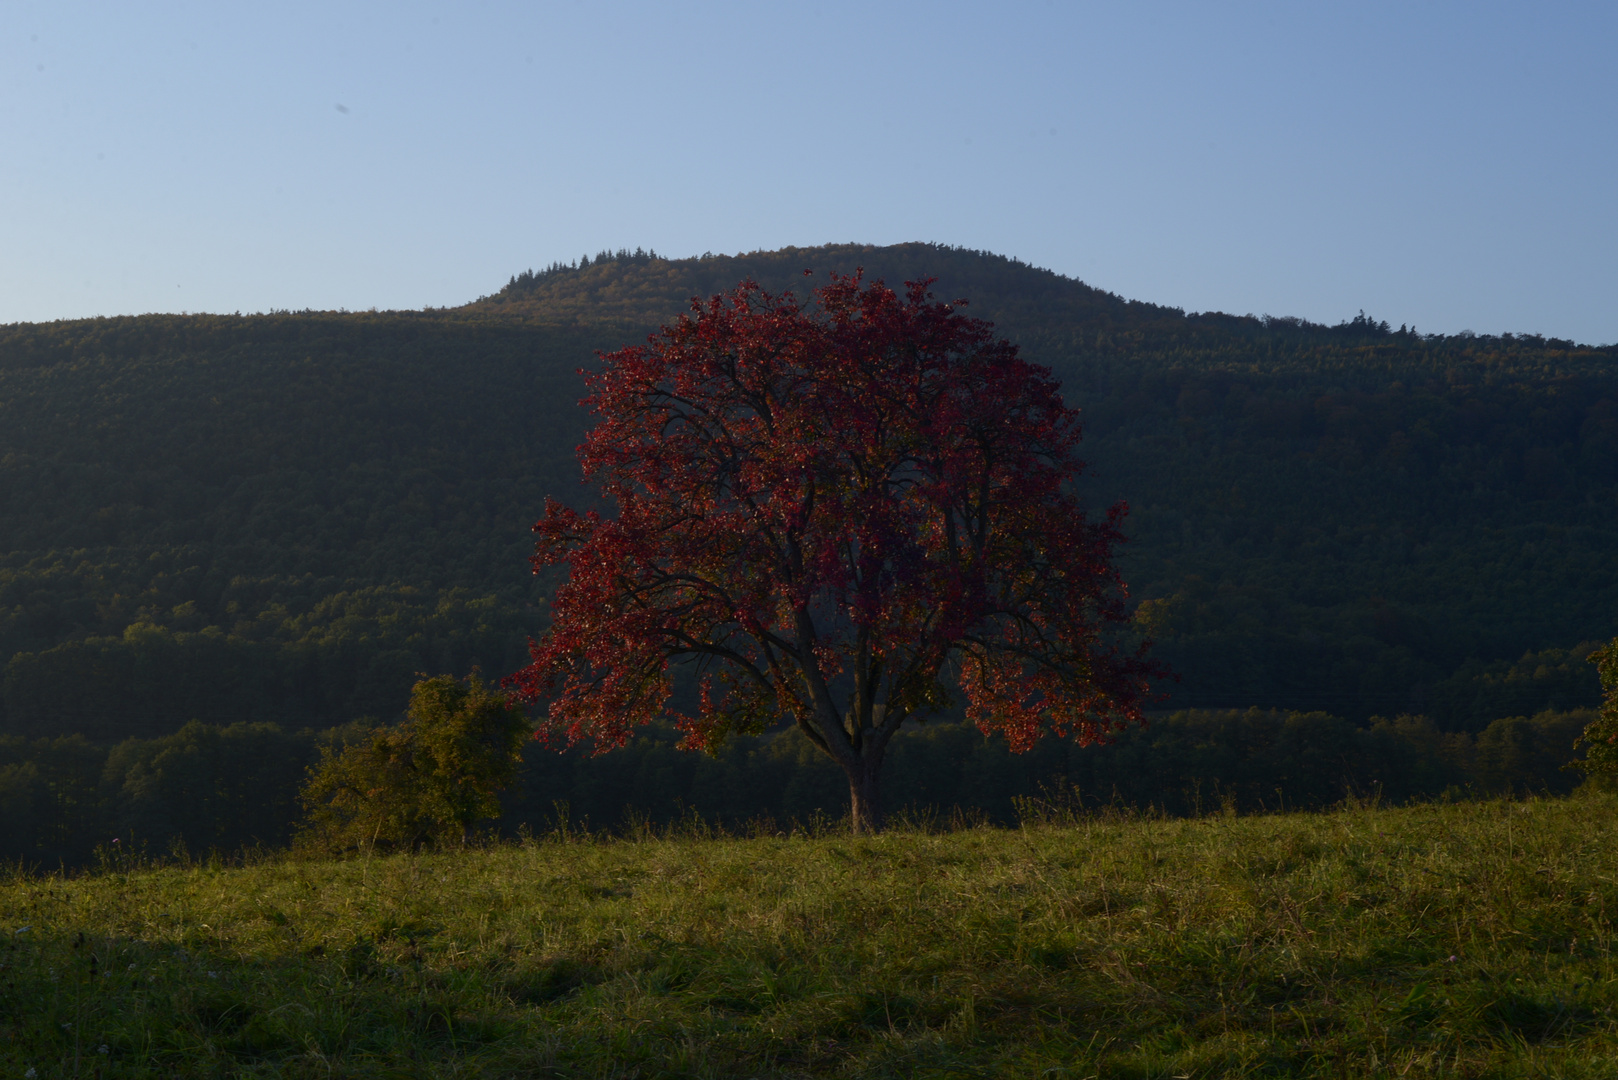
{"points": [[832, 511]]}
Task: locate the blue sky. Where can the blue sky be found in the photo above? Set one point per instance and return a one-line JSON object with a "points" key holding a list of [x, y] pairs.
{"points": [[1451, 166]]}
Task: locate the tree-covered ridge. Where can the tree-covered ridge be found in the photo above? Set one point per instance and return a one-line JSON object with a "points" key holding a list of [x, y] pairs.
{"points": [[1323, 516], [286, 517], [643, 288]]}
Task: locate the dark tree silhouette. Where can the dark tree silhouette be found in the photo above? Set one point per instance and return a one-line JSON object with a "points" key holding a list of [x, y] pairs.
{"points": [[832, 511]]}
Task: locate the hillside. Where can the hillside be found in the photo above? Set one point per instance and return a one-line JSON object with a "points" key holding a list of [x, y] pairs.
{"points": [[268, 518], [1353, 517], [1471, 940], [284, 517]]}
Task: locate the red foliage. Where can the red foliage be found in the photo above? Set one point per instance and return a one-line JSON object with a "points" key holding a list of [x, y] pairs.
{"points": [[833, 510]]}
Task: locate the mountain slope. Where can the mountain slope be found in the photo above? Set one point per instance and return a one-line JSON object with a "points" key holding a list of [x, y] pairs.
{"points": [[1336, 517], [285, 517]]}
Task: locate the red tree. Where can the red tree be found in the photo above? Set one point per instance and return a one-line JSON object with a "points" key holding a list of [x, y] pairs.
{"points": [[832, 511]]}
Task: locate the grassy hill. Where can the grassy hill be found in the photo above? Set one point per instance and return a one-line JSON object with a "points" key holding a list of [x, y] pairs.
{"points": [[282, 518], [1459, 941]]}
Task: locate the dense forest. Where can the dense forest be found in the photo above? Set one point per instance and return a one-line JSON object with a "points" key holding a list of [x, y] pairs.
{"points": [[278, 518], [284, 518]]}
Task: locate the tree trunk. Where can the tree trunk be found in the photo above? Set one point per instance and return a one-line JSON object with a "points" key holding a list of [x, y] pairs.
{"points": [[865, 794]]}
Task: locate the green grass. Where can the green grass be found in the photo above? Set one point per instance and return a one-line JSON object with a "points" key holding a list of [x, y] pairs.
{"points": [[1447, 940]]}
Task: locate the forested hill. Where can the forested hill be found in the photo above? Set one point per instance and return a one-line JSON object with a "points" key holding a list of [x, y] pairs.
{"points": [[284, 517], [640, 289], [1352, 517]]}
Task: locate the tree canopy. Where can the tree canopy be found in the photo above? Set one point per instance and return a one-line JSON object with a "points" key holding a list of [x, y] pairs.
{"points": [[832, 512]]}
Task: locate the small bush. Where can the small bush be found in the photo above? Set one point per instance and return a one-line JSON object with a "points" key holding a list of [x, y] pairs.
{"points": [[428, 779]]}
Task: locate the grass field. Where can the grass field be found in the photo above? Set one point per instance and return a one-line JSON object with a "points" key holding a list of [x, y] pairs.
{"points": [[1471, 939]]}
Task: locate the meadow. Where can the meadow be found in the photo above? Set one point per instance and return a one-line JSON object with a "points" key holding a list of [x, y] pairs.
{"points": [[1468, 939]]}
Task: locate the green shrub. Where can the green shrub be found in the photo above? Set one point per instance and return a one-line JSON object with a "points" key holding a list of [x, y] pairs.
{"points": [[430, 778], [1600, 738]]}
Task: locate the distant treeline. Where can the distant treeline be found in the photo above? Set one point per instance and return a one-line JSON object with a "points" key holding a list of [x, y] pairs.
{"points": [[292, 655], [223, 789], [528, 281]]}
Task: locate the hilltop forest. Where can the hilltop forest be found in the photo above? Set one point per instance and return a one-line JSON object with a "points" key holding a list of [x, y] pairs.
{"points": [[284, 518]]}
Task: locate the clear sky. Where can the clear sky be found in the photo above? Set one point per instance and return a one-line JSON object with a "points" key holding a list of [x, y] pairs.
{"points": [[1451, 166]]}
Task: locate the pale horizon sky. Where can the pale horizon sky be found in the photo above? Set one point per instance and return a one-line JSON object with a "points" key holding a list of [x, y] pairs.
{"points": [[1450, 166]]}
